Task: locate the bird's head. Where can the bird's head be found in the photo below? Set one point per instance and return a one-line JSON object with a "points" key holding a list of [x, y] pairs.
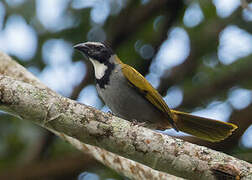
{"points": [[95, 51], [101, 56]]}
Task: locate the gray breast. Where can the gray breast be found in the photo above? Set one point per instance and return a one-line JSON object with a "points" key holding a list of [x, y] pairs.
{"points": [[125, 101]]}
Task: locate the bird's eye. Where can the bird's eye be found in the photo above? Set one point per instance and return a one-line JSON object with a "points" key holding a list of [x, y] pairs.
{"points": [[98, 48]]}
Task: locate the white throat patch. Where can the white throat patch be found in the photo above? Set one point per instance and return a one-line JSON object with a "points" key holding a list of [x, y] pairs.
{"points": [[99, 68]]}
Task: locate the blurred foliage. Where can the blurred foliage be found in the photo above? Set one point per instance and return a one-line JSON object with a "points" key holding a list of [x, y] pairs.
{"points": [[202, 48]]}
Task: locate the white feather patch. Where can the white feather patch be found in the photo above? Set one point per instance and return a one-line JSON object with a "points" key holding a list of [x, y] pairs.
{"points": [[96, 43], [99, 68]]}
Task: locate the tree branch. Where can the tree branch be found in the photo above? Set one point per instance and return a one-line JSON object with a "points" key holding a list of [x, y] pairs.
{"points": [[200, 46], [161, 152], [126, 25], [220, 79], [127, 167], [121, 165]]}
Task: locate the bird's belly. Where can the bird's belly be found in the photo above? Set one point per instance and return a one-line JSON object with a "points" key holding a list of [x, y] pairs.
{"points": [[127, 103]]}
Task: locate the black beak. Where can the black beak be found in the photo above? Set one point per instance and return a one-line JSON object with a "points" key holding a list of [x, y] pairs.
{"points": [[82, 47]]}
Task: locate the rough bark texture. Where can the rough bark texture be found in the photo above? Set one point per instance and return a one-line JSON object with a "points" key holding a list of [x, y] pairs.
{"points": [[127, 167], [121, 165], [161, 152]]}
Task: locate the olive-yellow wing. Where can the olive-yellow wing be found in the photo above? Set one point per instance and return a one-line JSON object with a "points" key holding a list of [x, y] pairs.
{"points": [[141, 85]]}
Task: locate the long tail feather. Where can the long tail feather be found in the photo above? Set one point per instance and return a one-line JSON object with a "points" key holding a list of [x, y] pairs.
{"points": [[203, 128]]}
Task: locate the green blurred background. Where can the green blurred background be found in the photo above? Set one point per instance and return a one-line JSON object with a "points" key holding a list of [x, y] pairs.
{"points": [[198, 54]]}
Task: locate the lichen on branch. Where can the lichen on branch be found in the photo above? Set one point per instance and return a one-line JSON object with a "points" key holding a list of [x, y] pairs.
{"points": [[91, 126]]}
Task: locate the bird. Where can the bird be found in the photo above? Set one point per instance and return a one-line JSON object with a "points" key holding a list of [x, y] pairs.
{"points": [[130, 96]]}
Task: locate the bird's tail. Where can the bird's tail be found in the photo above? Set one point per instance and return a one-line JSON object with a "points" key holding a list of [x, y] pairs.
{"points": [[203, 128]]}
